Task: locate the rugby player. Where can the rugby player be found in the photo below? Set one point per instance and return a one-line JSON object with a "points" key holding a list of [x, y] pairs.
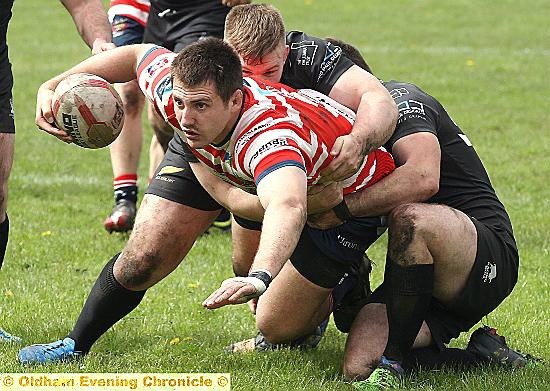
{"points": [[176, 209], [172, 24], [452, 256], [91, 22]]}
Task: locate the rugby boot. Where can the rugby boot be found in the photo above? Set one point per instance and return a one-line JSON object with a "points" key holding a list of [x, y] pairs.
{"points": [[122, 217], [491, 347], [7, 337], [259, 343], [387, 375], [62, 350], [223, 221]]}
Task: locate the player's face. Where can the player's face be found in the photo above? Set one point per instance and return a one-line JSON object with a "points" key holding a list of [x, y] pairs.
{"points": [[269, 67], [202, 114]]}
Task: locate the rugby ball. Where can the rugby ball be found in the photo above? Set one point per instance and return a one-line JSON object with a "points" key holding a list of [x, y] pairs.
{"points": [[89, 109]]}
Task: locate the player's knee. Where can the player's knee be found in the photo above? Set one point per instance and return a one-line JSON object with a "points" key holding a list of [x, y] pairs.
{"points": [[135, 270], [3, 196], [357, 368], [406, 224], [272, 330]]}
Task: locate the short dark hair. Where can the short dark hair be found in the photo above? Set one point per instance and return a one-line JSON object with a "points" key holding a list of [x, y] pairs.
{"points": [[351, 52], [209, 60]]}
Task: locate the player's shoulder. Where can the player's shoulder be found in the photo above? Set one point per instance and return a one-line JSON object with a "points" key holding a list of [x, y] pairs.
{"points": [[403, 91]]}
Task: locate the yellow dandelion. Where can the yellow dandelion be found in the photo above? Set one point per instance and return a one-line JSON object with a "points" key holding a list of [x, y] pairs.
{"points": [[8, 294], [46, 233], [187, 339], [192, 285], [175, 341], [470, 62]]}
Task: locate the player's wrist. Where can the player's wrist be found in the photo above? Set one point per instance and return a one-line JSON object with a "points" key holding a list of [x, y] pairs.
{"points": [[262, 275], [342, 211]]}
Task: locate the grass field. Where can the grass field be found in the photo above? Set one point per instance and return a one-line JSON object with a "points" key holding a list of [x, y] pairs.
{"points": [[486, 61]]}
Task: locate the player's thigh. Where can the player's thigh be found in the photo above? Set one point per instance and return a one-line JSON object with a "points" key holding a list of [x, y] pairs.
{"points": [[290, 307], [445, 234]]}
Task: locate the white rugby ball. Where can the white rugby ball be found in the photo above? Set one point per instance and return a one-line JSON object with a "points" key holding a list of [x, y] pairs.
{"points": [[89, 109]]}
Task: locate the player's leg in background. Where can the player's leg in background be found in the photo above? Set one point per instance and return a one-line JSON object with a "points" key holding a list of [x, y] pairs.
{"points": [[162, 134], [126, 149], [7, 141], [125, 154], [7, 138]]}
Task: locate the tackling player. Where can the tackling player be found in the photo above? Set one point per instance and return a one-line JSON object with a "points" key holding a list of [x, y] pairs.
{"points": [[452, 256]]}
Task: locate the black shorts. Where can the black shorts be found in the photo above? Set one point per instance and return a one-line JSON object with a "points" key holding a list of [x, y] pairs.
{"points": [[126, 31], [493, 276], [174, 29], [324, 256], [174, 180], [7, 124]]}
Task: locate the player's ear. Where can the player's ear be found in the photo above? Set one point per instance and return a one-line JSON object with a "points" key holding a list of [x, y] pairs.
{"points": [[236, 99], [287, 50]]}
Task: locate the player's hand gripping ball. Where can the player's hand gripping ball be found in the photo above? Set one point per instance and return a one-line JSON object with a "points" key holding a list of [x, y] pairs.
{"points": [[89, 109]]}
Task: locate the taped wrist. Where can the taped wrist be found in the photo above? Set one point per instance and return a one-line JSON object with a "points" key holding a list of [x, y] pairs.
{"points": [[342, 212], [260, 279]]}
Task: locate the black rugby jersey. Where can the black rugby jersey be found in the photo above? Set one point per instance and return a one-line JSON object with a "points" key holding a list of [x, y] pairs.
{"points": [[464, 183], [313, 63]]}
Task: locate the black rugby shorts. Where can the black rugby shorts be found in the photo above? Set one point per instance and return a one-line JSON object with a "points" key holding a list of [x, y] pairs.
{"points": [[492, 278]]}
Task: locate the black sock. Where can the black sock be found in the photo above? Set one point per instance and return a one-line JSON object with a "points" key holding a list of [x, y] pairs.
{"points": [[107, 303], [4, 232], [409, 299]]}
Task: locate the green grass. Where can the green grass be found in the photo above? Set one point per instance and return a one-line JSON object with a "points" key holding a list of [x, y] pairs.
{"points": [[487, 62]]}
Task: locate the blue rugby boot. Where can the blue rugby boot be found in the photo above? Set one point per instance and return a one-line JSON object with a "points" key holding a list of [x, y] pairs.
{"points": [[7, 337], [62, 350]]}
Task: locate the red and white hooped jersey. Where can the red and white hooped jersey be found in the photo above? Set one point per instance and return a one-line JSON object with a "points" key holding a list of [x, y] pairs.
{"points": [[279, 126], [135, 9]]}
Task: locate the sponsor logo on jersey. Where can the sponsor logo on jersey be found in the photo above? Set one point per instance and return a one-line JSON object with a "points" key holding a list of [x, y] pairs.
{"points": [[490, 272], [245, 138], [399, 92], [306, 52], [410, 109], [278, 142], [164, 87], [161, 63], [332, 56]]}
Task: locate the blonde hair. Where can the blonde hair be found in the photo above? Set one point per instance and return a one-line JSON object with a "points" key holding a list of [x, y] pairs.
{"points": [[254, 30]]}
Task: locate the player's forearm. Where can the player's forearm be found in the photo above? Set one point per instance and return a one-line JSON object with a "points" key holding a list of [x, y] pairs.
{"points": [[402, 186], [282, 226], [115, 66], [376, 119], [90, 19]]}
